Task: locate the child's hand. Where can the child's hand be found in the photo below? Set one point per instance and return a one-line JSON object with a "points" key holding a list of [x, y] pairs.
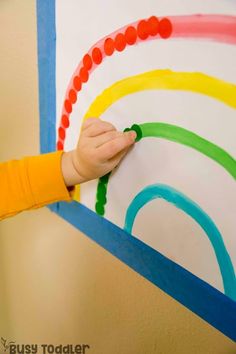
{"points": [[100, 149]]}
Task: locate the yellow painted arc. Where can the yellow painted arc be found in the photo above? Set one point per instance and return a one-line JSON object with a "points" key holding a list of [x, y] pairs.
{"points": [[162, 80]]}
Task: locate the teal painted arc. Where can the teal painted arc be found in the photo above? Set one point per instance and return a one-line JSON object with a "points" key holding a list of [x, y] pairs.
{"points": [[193, 210]]}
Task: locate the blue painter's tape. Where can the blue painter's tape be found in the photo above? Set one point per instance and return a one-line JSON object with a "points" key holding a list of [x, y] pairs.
{"points": [[47, 73], [201, 298], [46, 30], [211, 305]]}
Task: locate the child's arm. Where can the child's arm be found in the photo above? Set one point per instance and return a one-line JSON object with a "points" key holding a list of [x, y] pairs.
{"points": [[35, 181]]}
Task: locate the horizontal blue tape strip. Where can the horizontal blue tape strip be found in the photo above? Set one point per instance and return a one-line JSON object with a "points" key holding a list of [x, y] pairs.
{"points": [[198, 296]]}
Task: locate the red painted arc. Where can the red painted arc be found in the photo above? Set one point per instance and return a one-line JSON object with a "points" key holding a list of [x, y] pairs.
{"points": [[218, 28]]}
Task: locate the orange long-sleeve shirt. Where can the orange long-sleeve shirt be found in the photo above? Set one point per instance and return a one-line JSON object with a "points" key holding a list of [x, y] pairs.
{"points": [[30, 183]]}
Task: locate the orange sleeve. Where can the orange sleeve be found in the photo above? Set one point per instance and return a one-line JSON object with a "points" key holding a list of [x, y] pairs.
{"points": [[30, 183]]}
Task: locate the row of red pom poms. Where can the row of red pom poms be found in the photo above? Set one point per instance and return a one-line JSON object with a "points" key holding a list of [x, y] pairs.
{"points": [[144, 29]]}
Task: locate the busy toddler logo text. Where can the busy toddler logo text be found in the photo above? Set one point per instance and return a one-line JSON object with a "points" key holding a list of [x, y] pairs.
{"points": [[14, 348]]}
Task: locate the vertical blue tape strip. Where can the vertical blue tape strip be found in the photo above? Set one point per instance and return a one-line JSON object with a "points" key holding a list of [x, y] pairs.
{"points": [[46, 30], [204, 300], [47, 73]]}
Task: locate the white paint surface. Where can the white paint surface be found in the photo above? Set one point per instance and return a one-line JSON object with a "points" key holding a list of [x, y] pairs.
{"points": [[160, 225]]}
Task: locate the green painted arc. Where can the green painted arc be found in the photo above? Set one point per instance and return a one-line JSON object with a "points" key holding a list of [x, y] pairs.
{"points": [[188, 138], [176, 134]]}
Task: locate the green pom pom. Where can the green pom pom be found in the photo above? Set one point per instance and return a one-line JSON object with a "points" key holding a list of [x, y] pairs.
{"points": [[126, 130], [138, 131], [104, 179], [101, 190], [100, 209]]}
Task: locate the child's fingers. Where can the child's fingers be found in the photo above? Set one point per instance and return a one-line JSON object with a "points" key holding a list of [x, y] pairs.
{"points": [[97, 128], [105, 138], [114, 161], [108, 150], [88, 122]]}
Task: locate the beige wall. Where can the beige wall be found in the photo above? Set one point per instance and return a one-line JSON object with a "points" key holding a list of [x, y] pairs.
{"points": [[56, 285]]}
